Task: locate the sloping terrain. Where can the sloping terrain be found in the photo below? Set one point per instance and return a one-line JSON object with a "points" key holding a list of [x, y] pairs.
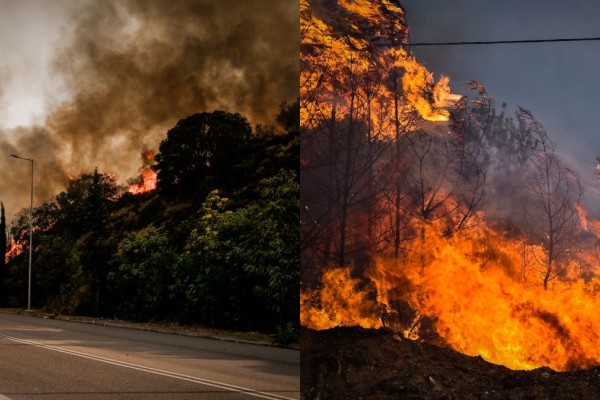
{"points": [[357, 363]]}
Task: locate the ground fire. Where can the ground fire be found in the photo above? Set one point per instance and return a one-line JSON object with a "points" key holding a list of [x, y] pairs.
{"points": [[397, 229], [147, 178], [472, 287]]}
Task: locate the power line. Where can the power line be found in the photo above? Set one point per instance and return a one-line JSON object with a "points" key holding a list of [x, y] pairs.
{"points": [[588, 39]]}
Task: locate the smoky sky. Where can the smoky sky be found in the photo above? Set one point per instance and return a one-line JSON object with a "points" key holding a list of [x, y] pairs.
{"points": [[558, 82], [133, 68]]}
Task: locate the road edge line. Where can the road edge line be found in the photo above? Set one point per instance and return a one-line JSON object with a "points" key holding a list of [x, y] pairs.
{"points": [[156, 371]]}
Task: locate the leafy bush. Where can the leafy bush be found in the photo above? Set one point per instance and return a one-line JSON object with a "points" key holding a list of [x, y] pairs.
{"points": [[287, 334]]}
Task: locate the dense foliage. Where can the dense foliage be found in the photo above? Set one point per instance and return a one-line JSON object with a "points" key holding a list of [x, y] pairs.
{"points": [[200, 151], [215, 244]]}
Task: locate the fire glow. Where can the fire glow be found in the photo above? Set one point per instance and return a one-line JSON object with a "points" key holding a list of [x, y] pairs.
{"points": [[338, 78], [482, 288], [15, 248], [147, 176], [472, 286]]}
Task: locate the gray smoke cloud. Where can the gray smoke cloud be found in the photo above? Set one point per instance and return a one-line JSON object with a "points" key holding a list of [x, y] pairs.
{"points": [[134, 68]]}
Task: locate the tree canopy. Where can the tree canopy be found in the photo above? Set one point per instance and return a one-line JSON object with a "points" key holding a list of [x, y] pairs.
{"points": [[200, 148]]}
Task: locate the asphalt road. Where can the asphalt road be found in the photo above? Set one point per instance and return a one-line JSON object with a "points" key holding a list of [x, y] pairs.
{"points": [[51, 359]]}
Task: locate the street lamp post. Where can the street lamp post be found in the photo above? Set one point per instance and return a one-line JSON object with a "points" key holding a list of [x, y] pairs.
{"points": [[30, 231]]}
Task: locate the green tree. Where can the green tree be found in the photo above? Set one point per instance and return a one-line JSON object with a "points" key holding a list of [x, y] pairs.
{"points": [[84, 206], [143, 281], [54, 277], [81, 213], [245, 262], [289, 117], [269, 151], [214, 282], [270, 247]]}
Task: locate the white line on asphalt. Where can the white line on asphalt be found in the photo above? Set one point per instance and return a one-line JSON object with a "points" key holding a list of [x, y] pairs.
{"points": [[208, 382], [3, 397]]}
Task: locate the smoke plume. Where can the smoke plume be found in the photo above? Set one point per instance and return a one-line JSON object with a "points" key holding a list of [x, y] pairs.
{"points": [[133, 68]]}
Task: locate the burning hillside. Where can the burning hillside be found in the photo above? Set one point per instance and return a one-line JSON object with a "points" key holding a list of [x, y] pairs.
{"points": [[127, 71], [399, 227]]}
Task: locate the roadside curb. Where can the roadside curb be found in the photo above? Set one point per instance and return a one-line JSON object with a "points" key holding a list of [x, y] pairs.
{"points": [[143, 327]]}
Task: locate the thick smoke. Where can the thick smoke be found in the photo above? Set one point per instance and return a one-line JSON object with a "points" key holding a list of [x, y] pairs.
{"points": [[133, 68]]}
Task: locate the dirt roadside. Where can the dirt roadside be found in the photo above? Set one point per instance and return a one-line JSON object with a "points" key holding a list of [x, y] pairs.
{"points": [[363, 364]]}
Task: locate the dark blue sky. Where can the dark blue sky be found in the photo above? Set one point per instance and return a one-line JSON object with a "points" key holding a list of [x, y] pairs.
{"points": [[558, 82]]}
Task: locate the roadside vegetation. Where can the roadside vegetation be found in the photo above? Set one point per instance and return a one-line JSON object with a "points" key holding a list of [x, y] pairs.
{"points": [[215, 244]]}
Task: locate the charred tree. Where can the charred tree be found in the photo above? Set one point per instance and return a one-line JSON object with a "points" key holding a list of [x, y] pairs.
{"points": [[552, 212], [446, 175], [343, 104]]}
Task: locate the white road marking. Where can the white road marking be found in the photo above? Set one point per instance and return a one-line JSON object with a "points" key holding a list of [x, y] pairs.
{"points": [[207, 382], [3, 397]]}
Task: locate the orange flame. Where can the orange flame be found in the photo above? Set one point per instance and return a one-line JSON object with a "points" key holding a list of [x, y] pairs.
{"points": [[147, 176], [442, 94], [481, 288], [419, 86], [592, 226], [342, 75], [482, 296], [14, 250], [343, 303]]}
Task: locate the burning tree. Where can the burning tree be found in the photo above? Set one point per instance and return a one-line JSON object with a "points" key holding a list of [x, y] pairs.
{"points": [[360, 94], [553, 212], [335, 72], [394, 213], [445, 172]]}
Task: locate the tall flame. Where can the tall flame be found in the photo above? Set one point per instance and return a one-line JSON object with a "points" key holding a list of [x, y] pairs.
{"points": [[442, 94], [483, 290], [481, 295], [349, 74], [147, 175], [342, 303]]}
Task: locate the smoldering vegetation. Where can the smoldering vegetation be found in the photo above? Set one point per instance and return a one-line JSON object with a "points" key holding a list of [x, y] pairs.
{"points": [[133, 68]]}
